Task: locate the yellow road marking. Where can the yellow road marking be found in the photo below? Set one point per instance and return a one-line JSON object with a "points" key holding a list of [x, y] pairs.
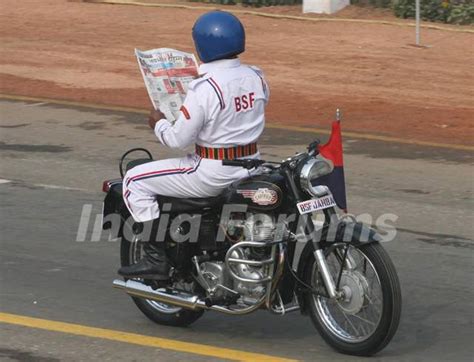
{"points": [[312, 130], [279, 16], [132, 338]]}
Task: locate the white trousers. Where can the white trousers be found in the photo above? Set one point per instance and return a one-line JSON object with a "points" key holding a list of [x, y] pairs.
{"points": [[190, 176]]}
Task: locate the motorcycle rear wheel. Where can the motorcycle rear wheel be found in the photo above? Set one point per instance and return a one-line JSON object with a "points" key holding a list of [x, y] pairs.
{"points": [[365, 320], [160, 313]]}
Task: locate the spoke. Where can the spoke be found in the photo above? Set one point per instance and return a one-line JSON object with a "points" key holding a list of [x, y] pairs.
{"points": [[375, 312], [376, 306], [371, 284], [372, 303], [347, 319], [363, 319], [361, 326], [372, 278]]}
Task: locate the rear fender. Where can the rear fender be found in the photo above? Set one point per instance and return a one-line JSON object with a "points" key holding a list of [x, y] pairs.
{"points": [[113, 206]]}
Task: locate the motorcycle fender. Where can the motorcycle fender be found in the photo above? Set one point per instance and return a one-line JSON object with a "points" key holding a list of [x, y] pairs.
{"points": [[354, 233], [113, 205]]}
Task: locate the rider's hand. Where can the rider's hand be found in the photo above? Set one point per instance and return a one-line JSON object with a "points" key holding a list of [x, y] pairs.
{"points": [[154, 117]]}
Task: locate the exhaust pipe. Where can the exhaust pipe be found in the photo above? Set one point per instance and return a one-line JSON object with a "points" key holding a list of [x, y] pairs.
{"points": [[178, 299]]}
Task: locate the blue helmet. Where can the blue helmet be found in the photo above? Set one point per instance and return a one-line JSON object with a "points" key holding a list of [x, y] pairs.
{"points": [[218, 35]]}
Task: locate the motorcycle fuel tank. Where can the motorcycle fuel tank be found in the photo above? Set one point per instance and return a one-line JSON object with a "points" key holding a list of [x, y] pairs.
{"points": [[261, 192]]}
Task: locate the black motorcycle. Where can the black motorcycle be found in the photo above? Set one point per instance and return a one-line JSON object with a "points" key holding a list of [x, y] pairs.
{"points": [[256, 246]]}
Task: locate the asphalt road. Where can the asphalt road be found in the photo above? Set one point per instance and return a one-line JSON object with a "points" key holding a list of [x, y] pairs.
{"points": [[54, 159]]}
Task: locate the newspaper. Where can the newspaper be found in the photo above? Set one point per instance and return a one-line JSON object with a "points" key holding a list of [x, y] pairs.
{"points": [[167, 73]]}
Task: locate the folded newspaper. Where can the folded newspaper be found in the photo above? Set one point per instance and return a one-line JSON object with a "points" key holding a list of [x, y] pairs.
{"points": [[167, 73]]}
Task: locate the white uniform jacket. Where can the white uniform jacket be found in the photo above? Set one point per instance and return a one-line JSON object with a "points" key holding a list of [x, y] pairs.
{"points": [[223, 108]]}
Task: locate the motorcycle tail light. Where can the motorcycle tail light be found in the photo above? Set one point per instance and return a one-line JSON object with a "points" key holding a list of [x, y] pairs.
{"points": [[106, 186]]}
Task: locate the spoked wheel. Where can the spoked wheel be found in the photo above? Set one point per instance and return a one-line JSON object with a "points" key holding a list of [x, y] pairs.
{"points": [[365, 317], [161, 313]]}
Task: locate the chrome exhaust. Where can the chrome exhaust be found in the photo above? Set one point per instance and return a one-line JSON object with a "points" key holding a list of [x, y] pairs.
{"points": [[180, 299], [176, 298]]}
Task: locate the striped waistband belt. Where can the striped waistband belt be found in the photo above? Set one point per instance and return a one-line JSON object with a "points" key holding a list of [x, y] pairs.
{"points": [[227, 153]]}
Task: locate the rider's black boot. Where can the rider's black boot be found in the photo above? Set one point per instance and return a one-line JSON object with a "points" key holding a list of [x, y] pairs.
{"points": [[154, 265]]}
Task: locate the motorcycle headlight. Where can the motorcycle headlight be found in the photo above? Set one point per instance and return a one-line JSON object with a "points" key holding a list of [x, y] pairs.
{"points": [[312, 169]]}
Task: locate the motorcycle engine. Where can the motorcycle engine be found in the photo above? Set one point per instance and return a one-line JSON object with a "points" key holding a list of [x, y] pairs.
{"points": [[220, 285], [251, 292], [253, 227], [220, 282]]}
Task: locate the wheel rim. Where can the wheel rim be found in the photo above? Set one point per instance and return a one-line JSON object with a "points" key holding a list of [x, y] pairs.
{"points": [[135, 255], [355, 317]]}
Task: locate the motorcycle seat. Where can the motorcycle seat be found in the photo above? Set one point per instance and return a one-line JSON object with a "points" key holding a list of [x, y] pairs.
{"points": [[190, 204], [178, 204]]}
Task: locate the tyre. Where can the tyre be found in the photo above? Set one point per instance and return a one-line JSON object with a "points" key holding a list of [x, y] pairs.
{"points": [[364, 320], [161, 313]]}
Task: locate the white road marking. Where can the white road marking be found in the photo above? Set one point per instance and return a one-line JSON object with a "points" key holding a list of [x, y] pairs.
{"points": [[45, 186], [35, 104], [58, 187]]}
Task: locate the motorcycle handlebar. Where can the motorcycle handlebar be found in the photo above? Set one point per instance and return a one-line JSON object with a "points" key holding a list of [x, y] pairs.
{"points": [[247, 163], [232, 163]]}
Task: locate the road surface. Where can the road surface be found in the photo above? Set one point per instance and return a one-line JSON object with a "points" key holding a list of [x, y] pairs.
{"points": [[54, 159]]}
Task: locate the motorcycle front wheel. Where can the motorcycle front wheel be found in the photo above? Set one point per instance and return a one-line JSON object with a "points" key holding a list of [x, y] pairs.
{"points": [[365, 318], [161, 313]]}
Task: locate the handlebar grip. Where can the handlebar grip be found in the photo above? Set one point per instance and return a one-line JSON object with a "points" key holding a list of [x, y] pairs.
{"points": [[236, 163]]}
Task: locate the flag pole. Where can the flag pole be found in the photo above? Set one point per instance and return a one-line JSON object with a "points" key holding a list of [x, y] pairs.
{"points": [[417, 16], [338, 119]]}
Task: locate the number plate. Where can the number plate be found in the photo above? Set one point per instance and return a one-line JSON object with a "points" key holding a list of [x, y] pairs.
{"points": [[324, 202]]}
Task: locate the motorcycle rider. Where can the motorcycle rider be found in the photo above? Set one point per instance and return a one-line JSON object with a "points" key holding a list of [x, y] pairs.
{"points": [[223, 115]]}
